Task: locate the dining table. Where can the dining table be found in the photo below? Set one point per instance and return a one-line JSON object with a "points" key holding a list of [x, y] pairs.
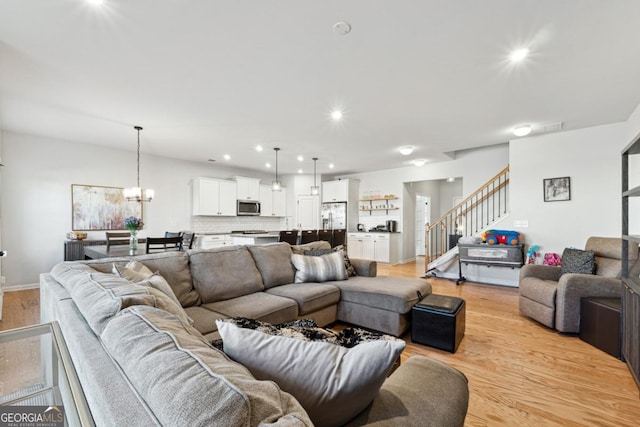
{"points": [[101, 251]]}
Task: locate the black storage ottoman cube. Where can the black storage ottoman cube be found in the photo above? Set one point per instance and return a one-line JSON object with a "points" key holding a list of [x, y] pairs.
{"points": [[600, 323], [438, 321]]}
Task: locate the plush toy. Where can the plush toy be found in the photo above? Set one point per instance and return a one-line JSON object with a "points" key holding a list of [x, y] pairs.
{"points": [[504, 237], [552, 259], [532, 254]]}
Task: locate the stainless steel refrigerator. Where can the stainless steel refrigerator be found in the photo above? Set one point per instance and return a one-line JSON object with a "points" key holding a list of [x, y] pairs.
{"points": [[334, 215]]}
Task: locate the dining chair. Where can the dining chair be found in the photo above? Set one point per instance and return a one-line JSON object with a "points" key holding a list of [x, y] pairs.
{"points": [[289, 236], [117, 238], [172, 233], [326, 235], [187, 240], [164, 244], [307, 236], [339, 237]]}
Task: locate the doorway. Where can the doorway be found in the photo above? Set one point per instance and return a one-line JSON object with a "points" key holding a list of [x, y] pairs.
{"points": [[423, 218]]}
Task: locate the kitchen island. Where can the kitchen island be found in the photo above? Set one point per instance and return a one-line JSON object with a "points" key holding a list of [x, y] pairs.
{"points": [[255, 238]]}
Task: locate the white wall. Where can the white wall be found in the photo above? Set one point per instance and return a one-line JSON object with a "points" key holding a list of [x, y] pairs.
{"points": [[591, 158], [36, 196], [476, 166]]}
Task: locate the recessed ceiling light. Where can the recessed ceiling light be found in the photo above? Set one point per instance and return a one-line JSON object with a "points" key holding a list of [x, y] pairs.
{"points": [[227, 157], [518, 55], [419, 162], [268, 165], [258, 147], [523, 130], [299, 170], [96, 2], [330, 165], [405, 151], [300, 158], [451, 179], [336, 115]]}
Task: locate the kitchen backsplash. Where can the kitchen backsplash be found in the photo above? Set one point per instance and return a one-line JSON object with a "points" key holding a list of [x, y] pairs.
{"points": [[226, 224]]}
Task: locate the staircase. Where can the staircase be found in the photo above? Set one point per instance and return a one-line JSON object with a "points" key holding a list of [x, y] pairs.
{"points": [[470, 217]]}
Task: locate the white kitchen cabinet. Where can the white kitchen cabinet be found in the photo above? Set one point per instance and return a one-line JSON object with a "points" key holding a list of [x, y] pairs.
{"points": [[308, 212], [343, 190], [247, 188], [360, 245], [273, 203], [212, 241], [380, 247], [214, 197], [354, 245]]}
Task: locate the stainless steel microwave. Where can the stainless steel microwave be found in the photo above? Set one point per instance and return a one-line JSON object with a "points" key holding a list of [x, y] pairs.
{"points": [[248, 207]]}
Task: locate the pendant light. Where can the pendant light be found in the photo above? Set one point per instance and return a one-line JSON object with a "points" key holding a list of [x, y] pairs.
{"points": [[276, 185], [135, 194], [315, 190]]}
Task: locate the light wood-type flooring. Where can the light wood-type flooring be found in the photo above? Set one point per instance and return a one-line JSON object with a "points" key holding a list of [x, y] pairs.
{"points": [[520, 372]]}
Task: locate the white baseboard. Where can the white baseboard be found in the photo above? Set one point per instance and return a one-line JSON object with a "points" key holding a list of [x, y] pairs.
{"points": [[20, 287]]}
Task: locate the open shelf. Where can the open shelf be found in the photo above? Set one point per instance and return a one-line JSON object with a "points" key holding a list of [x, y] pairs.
{"points": [[378, 204]]}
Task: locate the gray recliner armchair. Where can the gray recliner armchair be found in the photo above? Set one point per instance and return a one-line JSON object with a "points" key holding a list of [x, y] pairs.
{"points": [[554, 300]]}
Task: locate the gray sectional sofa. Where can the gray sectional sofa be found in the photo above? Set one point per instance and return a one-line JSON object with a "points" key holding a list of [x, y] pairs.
{"points": [[110, 343]]}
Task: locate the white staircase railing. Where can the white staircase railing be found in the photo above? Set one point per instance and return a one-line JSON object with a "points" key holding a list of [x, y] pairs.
{"points": [[469, 217]]}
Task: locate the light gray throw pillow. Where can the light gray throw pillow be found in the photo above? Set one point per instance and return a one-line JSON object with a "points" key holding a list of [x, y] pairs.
{"points": [[319, 268], [332, 383], [186, 382]]}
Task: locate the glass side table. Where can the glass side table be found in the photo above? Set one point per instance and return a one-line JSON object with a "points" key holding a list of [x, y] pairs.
{"points": [[38, 379]]}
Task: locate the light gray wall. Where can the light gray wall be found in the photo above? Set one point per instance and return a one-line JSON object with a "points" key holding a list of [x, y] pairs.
{"points": [[36, 195], [476, 166], [591, 158]]}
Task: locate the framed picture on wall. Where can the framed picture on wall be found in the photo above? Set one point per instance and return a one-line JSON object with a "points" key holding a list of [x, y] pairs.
{"points": [[557, 189], [95, 208]]}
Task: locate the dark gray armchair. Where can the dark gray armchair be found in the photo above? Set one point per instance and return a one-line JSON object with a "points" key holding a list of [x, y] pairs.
{"points": [[554, 300]]}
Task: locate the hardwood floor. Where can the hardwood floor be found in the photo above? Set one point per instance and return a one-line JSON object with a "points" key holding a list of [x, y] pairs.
{"points": [[20, 308], [524, 374], [520, 372]]}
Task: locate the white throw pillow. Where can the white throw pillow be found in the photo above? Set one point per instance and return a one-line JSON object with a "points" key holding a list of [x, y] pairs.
{"points": [[319, 268], [333, 383]]}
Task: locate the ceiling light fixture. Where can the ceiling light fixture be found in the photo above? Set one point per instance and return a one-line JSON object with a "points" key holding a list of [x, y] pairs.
{"points": [[523, 130], [315, 190], [336, 115], [518, 55], [258, 147], [419, 162], [227, 157], [135, 194], [96, 2], [331, 165], [300, 158], [405, 151], [451, 179], [276, 185]]}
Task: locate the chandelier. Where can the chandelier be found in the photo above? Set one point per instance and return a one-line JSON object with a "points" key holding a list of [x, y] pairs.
{"points": [[136, 194]]}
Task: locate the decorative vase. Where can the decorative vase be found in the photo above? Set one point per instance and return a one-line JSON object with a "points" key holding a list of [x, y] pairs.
{"points": [[133, 240]]}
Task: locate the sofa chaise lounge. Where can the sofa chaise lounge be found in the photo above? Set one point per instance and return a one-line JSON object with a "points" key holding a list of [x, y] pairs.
{"points": [[247, 281]]}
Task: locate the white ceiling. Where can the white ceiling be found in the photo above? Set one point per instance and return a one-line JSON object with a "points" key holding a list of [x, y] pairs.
{"points": [[205, 78]]}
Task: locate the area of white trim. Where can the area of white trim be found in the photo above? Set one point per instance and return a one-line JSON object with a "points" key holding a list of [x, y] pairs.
{"points": [[21, 287]]}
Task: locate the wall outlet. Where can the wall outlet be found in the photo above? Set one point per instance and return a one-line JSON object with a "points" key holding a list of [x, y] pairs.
{"points": [[521, 223]]}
